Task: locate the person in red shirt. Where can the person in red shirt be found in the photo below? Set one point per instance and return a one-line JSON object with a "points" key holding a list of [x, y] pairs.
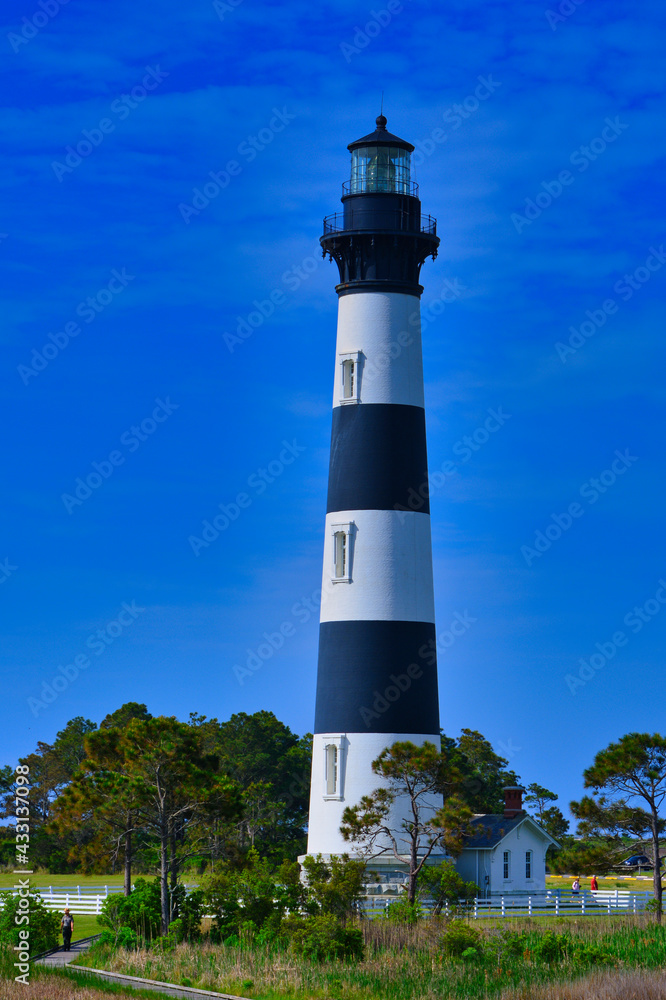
{"points": [[594, 885]]}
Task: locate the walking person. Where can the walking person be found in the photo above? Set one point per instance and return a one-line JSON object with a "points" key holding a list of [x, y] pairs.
{"points": [[594, 885], [67, 925], [575, 887]]}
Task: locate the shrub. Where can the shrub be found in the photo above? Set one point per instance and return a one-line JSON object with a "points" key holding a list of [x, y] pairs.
{"points": [[458, 937], [141, 910], [334, 886], [44, 925], [444, 885], [552, 947], [324, 937], [256, 894], [404, 912]]}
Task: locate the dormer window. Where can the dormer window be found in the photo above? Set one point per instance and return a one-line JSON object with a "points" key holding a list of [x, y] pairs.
{"points": [[342, 552], [350, 374]]}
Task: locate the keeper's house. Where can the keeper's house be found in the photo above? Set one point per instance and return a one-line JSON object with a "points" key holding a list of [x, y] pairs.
{"points": [[507, 852]]}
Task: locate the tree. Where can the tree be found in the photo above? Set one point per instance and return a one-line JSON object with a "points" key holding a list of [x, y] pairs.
{"points": [[538, 796], [124, 715], [632, 773], [272, 764], [95, 800], [418, 776], [483, 773], [172, 783], [550, 818], [444, 885]]}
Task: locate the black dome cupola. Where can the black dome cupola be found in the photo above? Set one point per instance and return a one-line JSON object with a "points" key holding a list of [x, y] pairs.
{"points": [[381, 239]]}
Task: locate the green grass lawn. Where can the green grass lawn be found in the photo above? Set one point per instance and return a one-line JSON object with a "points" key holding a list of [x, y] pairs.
{"points": [[67, 881]]}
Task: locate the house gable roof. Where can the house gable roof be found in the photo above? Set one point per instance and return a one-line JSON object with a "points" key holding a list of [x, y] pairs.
{"points": [[490, 830]]}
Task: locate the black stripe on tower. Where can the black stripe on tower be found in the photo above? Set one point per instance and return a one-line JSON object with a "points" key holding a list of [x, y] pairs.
{"points": [[377, 677], [378, 458]]}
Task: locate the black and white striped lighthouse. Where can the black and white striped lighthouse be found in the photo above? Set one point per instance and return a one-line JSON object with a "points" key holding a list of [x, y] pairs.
{"points": [[377, 672]]}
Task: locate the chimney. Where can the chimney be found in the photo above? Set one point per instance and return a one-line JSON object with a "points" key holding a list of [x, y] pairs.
{"points": [[513, 801]]}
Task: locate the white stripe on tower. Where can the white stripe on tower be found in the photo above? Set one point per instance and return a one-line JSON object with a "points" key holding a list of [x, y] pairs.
{"points": [[377, 673]]}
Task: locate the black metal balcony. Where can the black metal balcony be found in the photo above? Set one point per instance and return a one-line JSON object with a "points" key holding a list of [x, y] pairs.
{"points": [[397, 221]]}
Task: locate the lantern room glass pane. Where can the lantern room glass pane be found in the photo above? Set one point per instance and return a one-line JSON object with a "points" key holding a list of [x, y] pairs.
{"points": [[380, 169]]}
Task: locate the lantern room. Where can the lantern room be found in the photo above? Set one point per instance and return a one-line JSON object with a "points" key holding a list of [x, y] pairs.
{"points": [[380, 163]]}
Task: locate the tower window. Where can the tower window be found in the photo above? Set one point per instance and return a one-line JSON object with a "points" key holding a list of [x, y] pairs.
{"points": [[334, 763], [331, 769], [528, 864], [348, 379], [350, 374], [342, 552], [506, 865]]}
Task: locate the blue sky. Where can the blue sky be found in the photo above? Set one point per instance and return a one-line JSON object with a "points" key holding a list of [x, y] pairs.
{"points": [[540, 145]]}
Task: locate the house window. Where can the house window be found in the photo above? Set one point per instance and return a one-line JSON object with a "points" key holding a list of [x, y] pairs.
{"points": [[506, 865], [528, 864], [350, 371], [331, 769], [342, 552]]}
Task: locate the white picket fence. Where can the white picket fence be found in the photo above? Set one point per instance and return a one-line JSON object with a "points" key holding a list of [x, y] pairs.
{"points": [[77, 900], [557, 902]]}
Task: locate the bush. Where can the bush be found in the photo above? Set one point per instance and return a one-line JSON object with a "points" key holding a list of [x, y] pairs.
{"points": [[444, 885], [324, 938], [552, 947], [256, 894], [333, 886], [458, 937], [141, 910], [404, 912], [44, 925]]}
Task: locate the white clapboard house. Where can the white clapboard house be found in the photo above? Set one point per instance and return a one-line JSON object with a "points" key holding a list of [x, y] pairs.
{"points": [[506, 853]]}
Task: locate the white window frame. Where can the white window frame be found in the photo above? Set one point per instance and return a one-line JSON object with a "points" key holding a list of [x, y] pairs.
{"points": [[529, 864], [345, 528], [506, 866], [353, 357], [335, 743]]}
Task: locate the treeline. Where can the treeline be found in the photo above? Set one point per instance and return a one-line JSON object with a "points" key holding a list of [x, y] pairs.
{"points": [[144, 794], [138, 790]]}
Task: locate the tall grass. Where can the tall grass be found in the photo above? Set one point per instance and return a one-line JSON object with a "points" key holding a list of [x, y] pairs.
{"points": [[403, 962]]}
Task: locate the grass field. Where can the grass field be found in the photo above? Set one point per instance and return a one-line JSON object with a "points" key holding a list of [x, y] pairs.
{"points": [[412, 962]]}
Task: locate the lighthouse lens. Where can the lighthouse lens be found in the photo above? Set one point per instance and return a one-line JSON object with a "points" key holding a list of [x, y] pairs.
{"points": [[380, 168]]}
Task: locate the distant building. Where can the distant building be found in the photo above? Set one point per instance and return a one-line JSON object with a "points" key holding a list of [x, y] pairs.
{"points": [[507, 851]]}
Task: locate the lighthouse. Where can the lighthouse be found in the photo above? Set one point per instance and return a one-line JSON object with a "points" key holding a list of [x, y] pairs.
{"points": [[377, 669]]}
